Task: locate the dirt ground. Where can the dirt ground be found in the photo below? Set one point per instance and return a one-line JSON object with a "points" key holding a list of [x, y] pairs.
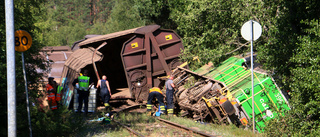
{"points": [[121, 100]]}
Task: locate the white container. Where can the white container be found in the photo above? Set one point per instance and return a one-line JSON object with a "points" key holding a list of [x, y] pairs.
{"points": [[91, 103]]}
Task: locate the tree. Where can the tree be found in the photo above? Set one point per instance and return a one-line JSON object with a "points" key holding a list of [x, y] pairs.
{"points": [[23, 15], [124, 16], [288, 47], [65, 22], [211, 29], [26, 14], [304, 87]]}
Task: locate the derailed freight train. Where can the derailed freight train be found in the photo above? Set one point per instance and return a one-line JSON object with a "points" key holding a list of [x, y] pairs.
{"points": [[224, 94], [137, 59]]}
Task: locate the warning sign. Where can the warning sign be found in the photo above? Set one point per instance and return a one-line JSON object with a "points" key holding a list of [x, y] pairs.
{"points": [[168, 37], [23, 40], [134, 45]]}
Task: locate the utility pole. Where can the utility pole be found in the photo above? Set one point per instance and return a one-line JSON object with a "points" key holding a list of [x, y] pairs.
{"points": [[11, 68]]}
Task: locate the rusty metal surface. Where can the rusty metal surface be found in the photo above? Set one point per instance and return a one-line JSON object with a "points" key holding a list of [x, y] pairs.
{"points": [[75, 45], [56, 48], [77, 61], [117, 34], [58, 55], [148, 56], [190, 98], [82, 57]]}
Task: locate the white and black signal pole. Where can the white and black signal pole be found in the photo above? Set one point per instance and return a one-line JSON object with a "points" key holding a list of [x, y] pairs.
{"points": [[251, 31]]}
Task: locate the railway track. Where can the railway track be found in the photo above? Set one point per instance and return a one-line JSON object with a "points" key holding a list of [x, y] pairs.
{"points": [[175, 125], [184, 131]]}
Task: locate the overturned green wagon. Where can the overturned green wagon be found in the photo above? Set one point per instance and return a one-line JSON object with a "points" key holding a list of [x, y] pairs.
{"points": [[223, 93]]}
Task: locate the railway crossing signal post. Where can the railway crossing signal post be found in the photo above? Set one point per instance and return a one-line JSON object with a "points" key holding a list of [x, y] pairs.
{"points": [[251, 31], [23, 42]]}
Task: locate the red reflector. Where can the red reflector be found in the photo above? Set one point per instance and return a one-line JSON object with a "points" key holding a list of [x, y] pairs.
{"points": [[233, 102], [222, 100], [244, 121]]}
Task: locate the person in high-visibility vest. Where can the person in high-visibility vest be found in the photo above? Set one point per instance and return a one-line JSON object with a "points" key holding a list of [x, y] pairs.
{"points": [[157, 93], [51, 92], [83, 90], [58, 95]]}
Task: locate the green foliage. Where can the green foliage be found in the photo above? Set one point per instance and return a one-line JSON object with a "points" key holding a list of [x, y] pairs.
{"points": [[58, 123], [3, 85], [156, 12], [61, 122], [292, 52], [66, 22], [24, 20], [210, 29], [288, 46], [304, 83], [124, 16]]}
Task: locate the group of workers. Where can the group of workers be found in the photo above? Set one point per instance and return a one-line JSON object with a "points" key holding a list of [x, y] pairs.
{"points": [[156, 92], [82, 85], [53, 93]]}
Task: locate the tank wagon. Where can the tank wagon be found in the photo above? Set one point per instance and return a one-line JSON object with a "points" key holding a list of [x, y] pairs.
{"points": [[222, 94]]}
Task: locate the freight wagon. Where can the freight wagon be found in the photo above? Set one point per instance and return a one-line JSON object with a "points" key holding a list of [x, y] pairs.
{"points": [[223, 93], [131, 59]]}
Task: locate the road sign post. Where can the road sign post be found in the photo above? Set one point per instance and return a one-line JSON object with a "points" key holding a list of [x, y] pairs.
{"points": [[23, 42], [251, 31]]}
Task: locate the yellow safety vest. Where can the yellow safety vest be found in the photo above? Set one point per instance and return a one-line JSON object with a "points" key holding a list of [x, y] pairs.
{"points": [[155, 89], [83, 82]]}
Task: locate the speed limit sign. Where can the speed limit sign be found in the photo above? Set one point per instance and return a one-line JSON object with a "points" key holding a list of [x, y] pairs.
{"points": [[23, 40]]}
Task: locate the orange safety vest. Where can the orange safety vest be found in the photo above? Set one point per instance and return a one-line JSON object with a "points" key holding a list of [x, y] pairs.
{"points": [[58, 95], [51, 97], [156, 89]]}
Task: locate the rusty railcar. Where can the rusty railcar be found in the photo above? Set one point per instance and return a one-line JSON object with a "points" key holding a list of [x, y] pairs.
{"points": [[131, 59], [148, 55]]}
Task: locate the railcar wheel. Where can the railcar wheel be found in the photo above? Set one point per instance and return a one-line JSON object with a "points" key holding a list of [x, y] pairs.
{"points": [[138, 78]]}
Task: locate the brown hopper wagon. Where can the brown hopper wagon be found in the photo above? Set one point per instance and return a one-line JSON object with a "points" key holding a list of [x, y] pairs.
{"points": [[131, 59]]}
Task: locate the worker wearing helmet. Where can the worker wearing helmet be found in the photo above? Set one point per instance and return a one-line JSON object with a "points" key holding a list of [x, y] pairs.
{"points": [[83, 90], [155, 92], [51, 92]]}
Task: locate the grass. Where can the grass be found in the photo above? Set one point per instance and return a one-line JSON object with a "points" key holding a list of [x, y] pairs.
{"points": [[149, 126], [214, 129]]}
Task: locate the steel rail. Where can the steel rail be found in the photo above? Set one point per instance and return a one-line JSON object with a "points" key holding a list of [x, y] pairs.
{"points": [[129, 129], [186, 128], [130, 107]]}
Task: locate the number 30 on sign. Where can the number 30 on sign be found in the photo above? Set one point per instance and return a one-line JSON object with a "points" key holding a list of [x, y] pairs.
{"points": [[22, 40]]}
